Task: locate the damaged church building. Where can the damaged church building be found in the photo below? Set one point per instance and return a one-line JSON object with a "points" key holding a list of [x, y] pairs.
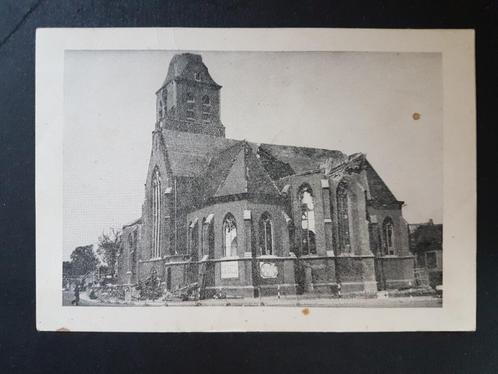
{"points": [[251, 219]]}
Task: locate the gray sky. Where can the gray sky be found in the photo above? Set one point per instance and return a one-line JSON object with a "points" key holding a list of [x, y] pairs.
{"points": [[353, 102]]}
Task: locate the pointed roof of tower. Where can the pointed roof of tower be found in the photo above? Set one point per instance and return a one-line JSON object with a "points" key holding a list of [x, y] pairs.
{"points": [[185, 65]]}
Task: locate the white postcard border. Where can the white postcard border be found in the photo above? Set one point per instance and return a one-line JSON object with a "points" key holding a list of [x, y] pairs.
{"points": [[459, 237]]}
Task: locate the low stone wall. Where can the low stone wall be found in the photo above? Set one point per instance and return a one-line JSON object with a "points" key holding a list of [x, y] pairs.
{"points": [[233, 277], [356, 274], [274, 275], [176, 275], [145, 268], [317, 275], [395, 272]]}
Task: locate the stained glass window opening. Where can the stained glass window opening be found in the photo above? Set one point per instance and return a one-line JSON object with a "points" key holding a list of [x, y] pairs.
{"points": [[307, 243], [229, 236], [266, 234], [388, 236], [156, 214], [343, 204]]}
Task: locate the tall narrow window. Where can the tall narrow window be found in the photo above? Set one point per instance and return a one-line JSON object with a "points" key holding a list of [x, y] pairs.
{"points": [[130, 249], [194, 239], [265, 234], [229, 236], [168, 279], [210, 235], [164, 102], [388, 228], [190, 106], [161, 104], [156, 214], [343, 217], [133, 252], [206, 109], [203, 238], [307, 243]]}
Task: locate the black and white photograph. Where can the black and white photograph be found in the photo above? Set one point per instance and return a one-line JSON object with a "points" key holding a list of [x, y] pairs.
{"points": [[274, 179], [228, 217]]}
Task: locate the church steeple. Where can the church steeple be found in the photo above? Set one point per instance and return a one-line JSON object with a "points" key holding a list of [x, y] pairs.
{"points": [[189, 99]]}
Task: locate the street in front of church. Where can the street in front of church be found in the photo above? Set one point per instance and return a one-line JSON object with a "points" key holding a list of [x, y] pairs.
{"points": [[288, 301]]}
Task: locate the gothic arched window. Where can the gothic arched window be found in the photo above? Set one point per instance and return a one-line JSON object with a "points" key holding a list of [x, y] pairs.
{"points": [[194, 238], [206, 108], [307, 243], [156, 214], [210, 236], [190, 106], [164, 102], [203, 237], [229, 236], [265, 234], [388, 230], [343, 202], [132, 245]]}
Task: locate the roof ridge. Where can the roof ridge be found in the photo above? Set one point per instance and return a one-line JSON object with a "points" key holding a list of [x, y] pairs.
{"points": [[300, 147]]}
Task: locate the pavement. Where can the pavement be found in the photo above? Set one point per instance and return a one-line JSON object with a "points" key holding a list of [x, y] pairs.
{"points": [[289, 301], [68, 296]]}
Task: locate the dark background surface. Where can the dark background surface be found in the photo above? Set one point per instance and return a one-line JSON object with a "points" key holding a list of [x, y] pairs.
{"points": [[23, 349]]}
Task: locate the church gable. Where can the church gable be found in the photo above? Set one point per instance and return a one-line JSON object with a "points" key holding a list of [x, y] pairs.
{"points": [[236, 171], [213, 181], [236, 180], [379, 192]]}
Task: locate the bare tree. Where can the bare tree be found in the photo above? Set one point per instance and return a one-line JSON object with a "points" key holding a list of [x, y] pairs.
{"points": [[108, 247]]}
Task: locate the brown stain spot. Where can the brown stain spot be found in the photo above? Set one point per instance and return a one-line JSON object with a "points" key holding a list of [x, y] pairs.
{"points": [[416, 116], [305, 311], [63, 329]]}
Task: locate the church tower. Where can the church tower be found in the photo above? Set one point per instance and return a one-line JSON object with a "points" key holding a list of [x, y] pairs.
{"points": [[189, 99]]}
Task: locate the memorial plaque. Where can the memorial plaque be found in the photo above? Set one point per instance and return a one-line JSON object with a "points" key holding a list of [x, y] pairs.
{"points": [[268, 270], [229, 269]]}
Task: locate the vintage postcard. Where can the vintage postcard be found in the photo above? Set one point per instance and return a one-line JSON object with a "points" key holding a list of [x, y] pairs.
{"points": [[255, 180]]}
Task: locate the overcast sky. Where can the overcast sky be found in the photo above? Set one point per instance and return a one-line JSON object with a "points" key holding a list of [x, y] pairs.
{"points": [[353, 102]]}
